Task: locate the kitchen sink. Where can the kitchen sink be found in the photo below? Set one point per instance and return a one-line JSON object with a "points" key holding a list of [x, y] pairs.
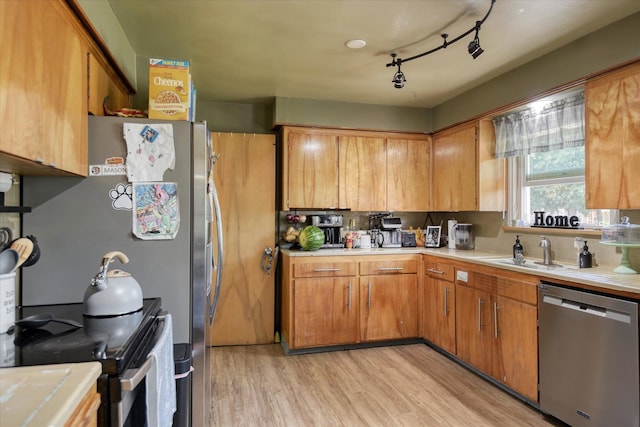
{"points": [[531, 264]]}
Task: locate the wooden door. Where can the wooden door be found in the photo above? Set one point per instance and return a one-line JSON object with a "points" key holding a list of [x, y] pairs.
{"points": [[454, 186], [388, 307], [245, 180], [473, 327], [363, 173], [440, 313], [408, 175], [515, 353], [325, 311], [312, 170], [612, 140]]}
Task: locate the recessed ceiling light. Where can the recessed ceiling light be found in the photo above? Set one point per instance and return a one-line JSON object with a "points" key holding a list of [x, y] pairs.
{"points": [[356, 44]]}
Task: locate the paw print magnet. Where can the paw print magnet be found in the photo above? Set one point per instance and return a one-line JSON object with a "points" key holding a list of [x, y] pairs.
{"points": [[122, 197]]}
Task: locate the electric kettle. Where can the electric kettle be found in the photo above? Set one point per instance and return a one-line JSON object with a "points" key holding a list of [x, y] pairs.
{"points": [[112, 293]]}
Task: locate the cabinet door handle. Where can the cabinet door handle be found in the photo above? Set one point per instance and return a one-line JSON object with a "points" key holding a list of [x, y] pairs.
{"points": [[349, 298], [389, 268], [433, 270], [368, 294], [480, 302], [446, 293], [495, 319], [320, 270]]}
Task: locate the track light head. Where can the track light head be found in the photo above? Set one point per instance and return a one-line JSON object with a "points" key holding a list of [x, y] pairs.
{"points": [[398, 79], [474, 48]]}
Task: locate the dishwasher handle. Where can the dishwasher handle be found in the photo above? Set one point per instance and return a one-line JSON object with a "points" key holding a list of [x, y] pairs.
{"points": [[590, 309]]}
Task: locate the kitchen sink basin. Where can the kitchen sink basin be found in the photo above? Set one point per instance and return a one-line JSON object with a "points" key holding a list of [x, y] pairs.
{"points": [[531, 264]]}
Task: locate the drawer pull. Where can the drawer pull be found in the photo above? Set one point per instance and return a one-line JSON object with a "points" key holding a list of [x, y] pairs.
{"points": [[433, 270], [389, 268], [324, 270], [446, 293]]}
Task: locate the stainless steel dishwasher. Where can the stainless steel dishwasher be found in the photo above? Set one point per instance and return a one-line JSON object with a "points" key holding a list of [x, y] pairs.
{"points": [[589, 363]]}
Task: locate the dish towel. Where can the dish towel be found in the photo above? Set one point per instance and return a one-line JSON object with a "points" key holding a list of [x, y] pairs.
{"points": [[161, 385]]}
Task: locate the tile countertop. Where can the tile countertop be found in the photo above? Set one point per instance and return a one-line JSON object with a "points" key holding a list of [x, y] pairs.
{"points": [[600, 277], [45, 395]]}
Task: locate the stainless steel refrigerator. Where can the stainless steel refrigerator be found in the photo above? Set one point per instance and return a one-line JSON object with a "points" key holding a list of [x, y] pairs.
{"points": [[77, 220]]}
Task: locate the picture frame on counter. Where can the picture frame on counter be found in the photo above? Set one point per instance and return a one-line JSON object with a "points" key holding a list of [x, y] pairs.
{"points": [[433, 236]]}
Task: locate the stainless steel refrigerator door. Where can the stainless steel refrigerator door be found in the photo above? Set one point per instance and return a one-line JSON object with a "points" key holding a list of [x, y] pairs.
{"points": [[76, 223], [201, 275]]}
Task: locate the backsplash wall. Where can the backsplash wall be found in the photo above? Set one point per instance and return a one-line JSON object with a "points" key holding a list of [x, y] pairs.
{"points": [[490, 237]]}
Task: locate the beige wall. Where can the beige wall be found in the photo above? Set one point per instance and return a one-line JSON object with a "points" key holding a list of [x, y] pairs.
{"points": [[612, 45]]}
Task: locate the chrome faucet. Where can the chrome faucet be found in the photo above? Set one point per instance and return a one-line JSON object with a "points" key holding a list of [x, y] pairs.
{"points": [[545, 244]]}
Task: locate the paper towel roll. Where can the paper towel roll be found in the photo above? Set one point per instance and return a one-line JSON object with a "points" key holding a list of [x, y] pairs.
{"points": [[452, 241]]}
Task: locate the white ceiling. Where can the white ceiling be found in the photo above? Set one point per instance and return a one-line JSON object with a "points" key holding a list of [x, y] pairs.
{"points": [[253, 50]]}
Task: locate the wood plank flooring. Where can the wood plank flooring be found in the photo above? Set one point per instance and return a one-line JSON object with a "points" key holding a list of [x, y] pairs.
{"points": [[407, 385]]}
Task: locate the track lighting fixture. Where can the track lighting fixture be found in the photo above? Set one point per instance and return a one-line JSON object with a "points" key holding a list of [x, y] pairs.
{"points": [[474, 49], [474, 46], [398, 77]]}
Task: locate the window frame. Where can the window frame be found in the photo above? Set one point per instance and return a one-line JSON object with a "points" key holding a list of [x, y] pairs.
{"points": [[517, 198]]}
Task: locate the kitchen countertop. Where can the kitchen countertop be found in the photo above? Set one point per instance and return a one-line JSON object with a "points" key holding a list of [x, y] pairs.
{"points": [[600, 277], [45, 395]]}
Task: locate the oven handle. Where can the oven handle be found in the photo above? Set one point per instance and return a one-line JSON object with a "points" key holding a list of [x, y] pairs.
{"points": [[132, 377]]}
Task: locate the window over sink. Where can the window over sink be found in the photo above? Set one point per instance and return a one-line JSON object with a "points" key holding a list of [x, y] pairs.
{"points": [[544, 144]]}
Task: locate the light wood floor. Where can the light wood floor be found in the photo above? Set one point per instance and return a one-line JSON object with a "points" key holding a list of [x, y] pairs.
{"points": [[408, 385]]}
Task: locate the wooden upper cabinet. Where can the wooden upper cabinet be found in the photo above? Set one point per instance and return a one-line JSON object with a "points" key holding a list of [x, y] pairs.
{"points": [[363, 173], [101, 85], [310, 175], [357, 170], [466, 174], [42, 94], [455, 169], [612, 145], [408, 174]]}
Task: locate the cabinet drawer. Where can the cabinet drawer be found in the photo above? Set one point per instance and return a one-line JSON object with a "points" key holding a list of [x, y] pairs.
{"points": [[325, 269], [405, 266], [525, 290], [439, 270]]}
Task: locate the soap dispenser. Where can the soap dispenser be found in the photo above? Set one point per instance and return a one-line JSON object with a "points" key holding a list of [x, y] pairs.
{"points": [[585, 257], [518, 248]]}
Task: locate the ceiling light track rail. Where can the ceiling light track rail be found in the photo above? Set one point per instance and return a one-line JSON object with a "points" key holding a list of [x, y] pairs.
{"points": [[474, 49]]}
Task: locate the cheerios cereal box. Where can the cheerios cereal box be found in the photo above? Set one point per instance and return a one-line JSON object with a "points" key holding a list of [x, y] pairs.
{"points": [[169, 89]]}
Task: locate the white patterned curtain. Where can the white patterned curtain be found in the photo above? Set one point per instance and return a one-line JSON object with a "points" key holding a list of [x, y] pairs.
{"points": [[559, 125]]}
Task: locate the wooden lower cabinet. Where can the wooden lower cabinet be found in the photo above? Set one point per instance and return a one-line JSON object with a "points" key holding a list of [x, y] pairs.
{"points": [[439, 315], [388, 307], [325, 311], [496, 328], [335, 300], [515, 351], [473, 338], [86, 413]]}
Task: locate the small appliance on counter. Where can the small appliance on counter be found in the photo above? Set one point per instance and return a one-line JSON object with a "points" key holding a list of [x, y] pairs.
{"points": [[331, 225], [408, 240], [391, 230], [463, 236]]}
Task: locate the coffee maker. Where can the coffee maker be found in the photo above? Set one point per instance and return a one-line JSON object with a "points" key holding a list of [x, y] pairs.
{"points": [[331, 225], [386, 230]]}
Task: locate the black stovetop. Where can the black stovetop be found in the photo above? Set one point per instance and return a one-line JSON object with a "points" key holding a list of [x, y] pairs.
{"points": [[113, 341]]}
